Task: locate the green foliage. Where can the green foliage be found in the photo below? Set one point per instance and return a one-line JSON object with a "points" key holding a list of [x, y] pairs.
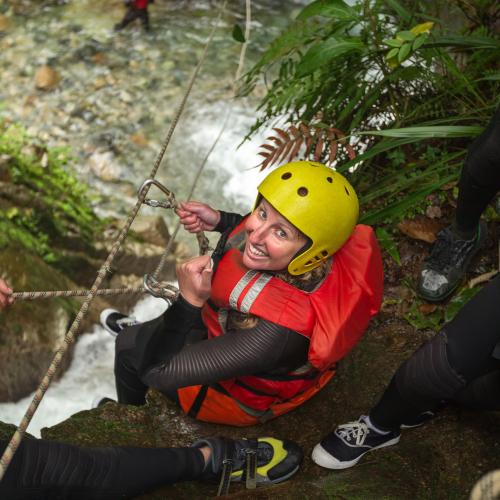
{"points": [[388, 244], [238, 34], [49, 203], [442, 314], [393, 76]]}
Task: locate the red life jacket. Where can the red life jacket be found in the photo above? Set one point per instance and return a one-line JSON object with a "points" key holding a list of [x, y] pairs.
{"points": [[333, 317]]}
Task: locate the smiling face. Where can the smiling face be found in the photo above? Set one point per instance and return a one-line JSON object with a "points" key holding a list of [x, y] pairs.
{"points": [[271, 241]]}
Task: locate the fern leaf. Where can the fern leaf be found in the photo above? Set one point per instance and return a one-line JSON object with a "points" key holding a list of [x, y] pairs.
{"points": [[319, 146], [282, 134], [304, 129], [286, 150], [333, 152], [296, 148]]}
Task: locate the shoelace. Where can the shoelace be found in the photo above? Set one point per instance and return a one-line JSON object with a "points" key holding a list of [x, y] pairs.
{"points": [[353, 430], [448, 251], [127, 321]]}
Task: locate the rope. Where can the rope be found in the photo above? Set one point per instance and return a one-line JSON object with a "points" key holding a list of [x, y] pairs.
{"points": [[70, 335]]}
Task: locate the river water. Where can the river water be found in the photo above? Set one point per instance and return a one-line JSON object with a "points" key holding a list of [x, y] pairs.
{"points": [[113, 104]]}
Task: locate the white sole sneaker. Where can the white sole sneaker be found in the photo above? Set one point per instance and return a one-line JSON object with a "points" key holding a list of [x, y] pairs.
{"points": [[321, 457]]}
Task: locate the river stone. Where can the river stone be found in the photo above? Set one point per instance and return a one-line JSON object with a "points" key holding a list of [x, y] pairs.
{"points": [[103, 165], [46, 78]]}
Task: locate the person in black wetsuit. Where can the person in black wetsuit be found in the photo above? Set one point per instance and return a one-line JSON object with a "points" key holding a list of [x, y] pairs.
{"points": [[235, 347], [456, 245], [42, 469]]}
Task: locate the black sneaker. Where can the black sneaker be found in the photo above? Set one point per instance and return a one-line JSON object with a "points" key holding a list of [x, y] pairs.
{"points": [[447, 263], [419, 420], [101, 401], [260, 461], [114, 322], [345, 446]]}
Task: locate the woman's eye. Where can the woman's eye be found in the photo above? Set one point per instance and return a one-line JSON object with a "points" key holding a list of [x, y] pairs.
{"points": [[281, 233], [262, 213]]}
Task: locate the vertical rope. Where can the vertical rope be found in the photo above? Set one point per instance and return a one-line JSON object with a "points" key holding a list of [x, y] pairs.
{"points": [[70, 335]]}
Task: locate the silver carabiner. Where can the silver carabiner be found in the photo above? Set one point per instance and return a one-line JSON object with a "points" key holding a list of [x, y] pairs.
{"points": [[161, 187], [166, 292]]}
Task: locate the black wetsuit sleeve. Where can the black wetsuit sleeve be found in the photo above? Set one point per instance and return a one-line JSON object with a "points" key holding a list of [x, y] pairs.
{"points": [[228, 220], [266, 348]]}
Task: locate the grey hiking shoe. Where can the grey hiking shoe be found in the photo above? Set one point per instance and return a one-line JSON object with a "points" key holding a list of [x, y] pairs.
{"points": [[447, 264]]}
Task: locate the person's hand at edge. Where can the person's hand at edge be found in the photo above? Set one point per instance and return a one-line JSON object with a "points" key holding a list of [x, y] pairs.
{"points": [[196, 216], [5, 292]]}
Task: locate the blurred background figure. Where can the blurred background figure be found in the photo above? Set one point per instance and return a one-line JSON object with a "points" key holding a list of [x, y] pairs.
{"points": [[136, 9]]}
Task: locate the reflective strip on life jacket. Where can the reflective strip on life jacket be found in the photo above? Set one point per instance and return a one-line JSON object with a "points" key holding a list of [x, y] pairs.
{"points": [[251, 294]]}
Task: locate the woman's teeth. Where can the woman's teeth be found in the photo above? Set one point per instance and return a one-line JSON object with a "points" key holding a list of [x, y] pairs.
{"points": [[255, 251]]}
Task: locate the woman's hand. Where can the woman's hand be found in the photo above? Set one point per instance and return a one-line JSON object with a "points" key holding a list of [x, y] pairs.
{"points": [[195, 279], [5, 292], [196, 216]]}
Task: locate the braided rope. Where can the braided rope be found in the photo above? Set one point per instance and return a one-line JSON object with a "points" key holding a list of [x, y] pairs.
{"points": [[74, 293], [70, 335]]}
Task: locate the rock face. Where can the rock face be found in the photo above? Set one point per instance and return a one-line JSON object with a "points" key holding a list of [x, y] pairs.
{"points": [[30, 331], [440, 460]]}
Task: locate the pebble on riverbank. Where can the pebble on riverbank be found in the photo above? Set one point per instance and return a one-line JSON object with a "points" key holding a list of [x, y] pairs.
{"points": [[46, 78]]}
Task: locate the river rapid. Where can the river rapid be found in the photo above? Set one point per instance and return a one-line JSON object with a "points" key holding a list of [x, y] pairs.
{"points": [[112, 105]]}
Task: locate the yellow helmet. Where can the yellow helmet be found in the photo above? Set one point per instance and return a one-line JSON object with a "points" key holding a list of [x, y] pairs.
{"points": [[316, 200]]}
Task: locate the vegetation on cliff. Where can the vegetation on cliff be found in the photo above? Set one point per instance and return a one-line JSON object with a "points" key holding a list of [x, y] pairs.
{"points": [[42, 205]]}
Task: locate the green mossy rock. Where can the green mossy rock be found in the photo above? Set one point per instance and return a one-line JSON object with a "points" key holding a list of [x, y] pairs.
{"points": [[441, 460]]}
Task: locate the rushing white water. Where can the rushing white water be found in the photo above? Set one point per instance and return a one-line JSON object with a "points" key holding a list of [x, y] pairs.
{"points": [[91, 118], [89, 376]]}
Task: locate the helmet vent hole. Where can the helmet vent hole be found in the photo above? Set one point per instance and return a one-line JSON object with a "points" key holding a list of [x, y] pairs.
{"points": [[302, 191], [329, 179], [348, 194], [324, 253], [286, 176]]}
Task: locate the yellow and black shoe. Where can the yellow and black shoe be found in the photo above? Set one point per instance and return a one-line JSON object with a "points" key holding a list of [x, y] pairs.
{"points": [[260, 461]]}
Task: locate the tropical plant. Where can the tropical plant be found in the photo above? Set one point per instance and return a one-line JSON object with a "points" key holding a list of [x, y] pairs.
{"points": [[391, 75], [41, 203]]}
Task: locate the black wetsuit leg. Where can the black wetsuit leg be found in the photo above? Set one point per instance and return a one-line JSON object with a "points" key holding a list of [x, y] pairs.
{"points": [[480, 177], [130, 16], [49, 470], [472, 373]]}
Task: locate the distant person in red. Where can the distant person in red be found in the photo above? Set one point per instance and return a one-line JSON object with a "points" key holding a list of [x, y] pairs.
{"points": [[136, 9]]}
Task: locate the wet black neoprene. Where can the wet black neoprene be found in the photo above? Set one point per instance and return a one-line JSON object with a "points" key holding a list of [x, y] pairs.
{"points": [[49, 470], [458, 364], [173, 351]]}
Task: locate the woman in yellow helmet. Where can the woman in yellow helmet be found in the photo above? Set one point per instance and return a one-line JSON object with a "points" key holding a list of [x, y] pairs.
{"points": [[257, 328]]}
